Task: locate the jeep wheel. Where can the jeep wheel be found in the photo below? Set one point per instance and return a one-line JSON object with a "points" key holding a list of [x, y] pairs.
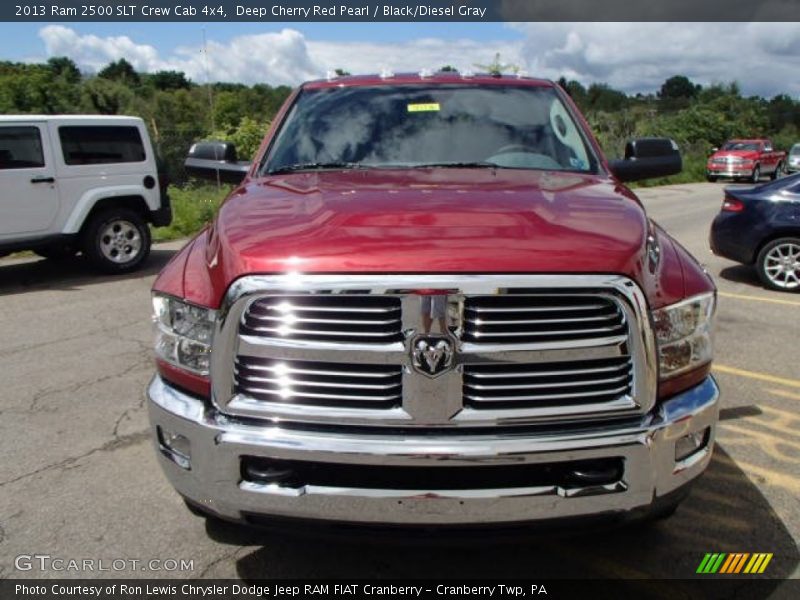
{"points": [[756, 174], [117, 240], [711, 178], [778, 172], [778, 264], [57, 252]]}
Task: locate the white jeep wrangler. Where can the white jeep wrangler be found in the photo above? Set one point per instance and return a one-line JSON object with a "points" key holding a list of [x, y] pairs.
{"points": [[87, 184]]}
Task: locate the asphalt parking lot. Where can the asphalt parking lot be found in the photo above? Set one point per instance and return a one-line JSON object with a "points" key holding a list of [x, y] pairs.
{"points": [[79, 479]]}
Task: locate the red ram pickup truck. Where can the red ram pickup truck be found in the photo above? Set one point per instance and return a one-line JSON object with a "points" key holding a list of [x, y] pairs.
{"points": [[431, 301], [746, 159]]}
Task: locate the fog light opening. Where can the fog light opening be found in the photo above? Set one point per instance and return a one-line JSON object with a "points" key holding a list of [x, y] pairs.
{"points": [[176, 447], [691, 444]]}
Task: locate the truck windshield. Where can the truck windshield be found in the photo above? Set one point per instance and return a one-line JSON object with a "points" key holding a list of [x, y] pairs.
{"points": [[424, 125], [740, 146]]}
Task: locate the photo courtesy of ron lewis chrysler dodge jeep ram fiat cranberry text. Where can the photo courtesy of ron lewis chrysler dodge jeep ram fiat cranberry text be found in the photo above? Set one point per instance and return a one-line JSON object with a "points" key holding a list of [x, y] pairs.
{"points": [[432, 301]]}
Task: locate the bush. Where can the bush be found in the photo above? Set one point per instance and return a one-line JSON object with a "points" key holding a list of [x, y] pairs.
{"points": [[193, 206]]}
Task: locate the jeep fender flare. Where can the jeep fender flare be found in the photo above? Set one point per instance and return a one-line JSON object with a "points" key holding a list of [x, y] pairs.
{"points": [[87, 202]]}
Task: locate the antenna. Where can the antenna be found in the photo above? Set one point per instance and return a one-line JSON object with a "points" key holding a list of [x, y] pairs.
{"points": [[210, 100]]}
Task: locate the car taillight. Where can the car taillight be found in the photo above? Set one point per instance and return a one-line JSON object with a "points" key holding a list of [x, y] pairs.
{"points": [[730, 204]]}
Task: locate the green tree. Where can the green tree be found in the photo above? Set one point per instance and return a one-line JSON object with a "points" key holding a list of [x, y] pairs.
{"points": [[121, 71], [169, 80], [64, 68]]}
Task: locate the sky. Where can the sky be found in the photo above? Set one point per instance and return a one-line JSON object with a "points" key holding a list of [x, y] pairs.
{"points": [[764, 58]]}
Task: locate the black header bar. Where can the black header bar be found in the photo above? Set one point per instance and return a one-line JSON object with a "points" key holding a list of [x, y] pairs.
{"points": [[400, 11]]}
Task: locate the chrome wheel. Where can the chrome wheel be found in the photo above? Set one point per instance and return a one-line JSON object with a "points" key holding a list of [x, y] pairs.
{"points": [[120, 241], [781, 265]]}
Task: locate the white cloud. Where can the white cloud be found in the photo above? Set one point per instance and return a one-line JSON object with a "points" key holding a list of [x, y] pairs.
{"points": [[92, 52], [633, 57]]}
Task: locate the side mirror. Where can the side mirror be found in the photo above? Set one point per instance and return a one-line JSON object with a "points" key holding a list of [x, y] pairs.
{"points": [[646, 158], [714, 149], [216, 161]]}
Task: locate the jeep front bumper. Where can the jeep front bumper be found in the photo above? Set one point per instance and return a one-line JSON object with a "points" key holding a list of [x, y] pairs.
{"points": [[207, 465]]}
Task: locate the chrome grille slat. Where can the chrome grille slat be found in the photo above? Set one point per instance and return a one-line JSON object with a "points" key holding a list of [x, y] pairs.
{"points": [[554, 332], [307, 371], [545, 309], [540, 321], [330, 321], [540, 397], [315, 395], [324, 384], [537, 386], [511, 374], [291, 332]]}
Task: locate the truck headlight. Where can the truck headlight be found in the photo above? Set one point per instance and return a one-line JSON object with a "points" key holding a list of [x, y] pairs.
{"points": [[684, 334], [183, 333]]}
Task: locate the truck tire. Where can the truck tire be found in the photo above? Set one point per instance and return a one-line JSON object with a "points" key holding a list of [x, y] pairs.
{"points": [[778, 264], [711, 178], [756, 177], [116, 240], [778, 172]]}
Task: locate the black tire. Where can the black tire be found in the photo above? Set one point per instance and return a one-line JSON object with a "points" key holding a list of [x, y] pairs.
{"points": [[711, 178], [768, 262], [756, 176], [57, 252], [116, 240], [777, 172]]}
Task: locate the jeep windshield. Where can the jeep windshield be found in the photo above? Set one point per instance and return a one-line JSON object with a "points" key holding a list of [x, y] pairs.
{"points": [[429, 125]]}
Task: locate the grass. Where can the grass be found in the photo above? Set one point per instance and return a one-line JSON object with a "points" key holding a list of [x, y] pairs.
{"points": [[192, 207]]}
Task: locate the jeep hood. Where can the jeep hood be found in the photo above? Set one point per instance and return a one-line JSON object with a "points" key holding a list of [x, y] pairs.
{"points": [[428, 220]]}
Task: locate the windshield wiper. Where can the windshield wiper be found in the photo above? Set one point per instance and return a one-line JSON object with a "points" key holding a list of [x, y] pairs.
{"points": [[477, 164], [315, 166]]}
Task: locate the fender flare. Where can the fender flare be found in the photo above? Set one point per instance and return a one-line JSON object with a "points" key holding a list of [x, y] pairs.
{"points": [[89, 200]]}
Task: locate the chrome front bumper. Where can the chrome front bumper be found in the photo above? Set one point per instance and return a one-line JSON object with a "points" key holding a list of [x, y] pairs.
{"points": [[212, 479]]}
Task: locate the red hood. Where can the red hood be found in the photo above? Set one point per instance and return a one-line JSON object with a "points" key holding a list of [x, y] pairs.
{"points": [[746, 154], [427, 221]]}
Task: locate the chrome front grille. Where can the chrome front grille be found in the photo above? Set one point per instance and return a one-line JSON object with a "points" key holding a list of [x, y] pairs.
{"points": [[342, 318], [523, 317], [547, 384], [318, 383], [337, 350]]}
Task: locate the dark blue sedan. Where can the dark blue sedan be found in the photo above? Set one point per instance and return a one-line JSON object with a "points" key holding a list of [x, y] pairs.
{"points": [[760, 226]]}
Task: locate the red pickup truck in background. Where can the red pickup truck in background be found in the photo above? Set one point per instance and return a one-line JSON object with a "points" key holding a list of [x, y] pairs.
{"points": [[746, 159]]}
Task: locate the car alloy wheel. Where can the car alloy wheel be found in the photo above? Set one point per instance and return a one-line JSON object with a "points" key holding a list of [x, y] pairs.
{"points": [[120, 241], [780, 264]]}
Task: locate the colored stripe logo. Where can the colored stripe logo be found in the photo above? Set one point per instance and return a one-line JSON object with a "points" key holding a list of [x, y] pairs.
{"points": [[734, 563]]}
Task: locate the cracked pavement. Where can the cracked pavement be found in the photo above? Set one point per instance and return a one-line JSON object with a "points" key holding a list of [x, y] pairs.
{"points": [[79, 478]]}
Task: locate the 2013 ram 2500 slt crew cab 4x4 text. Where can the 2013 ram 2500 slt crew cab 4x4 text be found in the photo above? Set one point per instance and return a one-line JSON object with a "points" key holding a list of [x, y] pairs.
{"points": [[432, 301]]}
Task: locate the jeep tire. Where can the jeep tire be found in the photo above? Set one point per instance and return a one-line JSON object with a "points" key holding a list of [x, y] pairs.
{"points": [[116, 240]]}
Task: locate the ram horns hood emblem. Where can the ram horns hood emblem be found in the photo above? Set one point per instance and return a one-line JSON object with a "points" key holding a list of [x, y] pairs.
{"points": [[432, 355]]}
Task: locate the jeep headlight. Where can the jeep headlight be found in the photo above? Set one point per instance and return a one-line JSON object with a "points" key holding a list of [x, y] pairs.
{"points": [[183, 333], [684, 334]]}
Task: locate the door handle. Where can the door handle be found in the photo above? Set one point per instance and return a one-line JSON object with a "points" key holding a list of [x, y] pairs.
{"points": [[43, 180]]}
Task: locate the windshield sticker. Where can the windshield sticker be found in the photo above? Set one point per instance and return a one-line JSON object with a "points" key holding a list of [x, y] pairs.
{"points": [[577, 163], [429, 107]]}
